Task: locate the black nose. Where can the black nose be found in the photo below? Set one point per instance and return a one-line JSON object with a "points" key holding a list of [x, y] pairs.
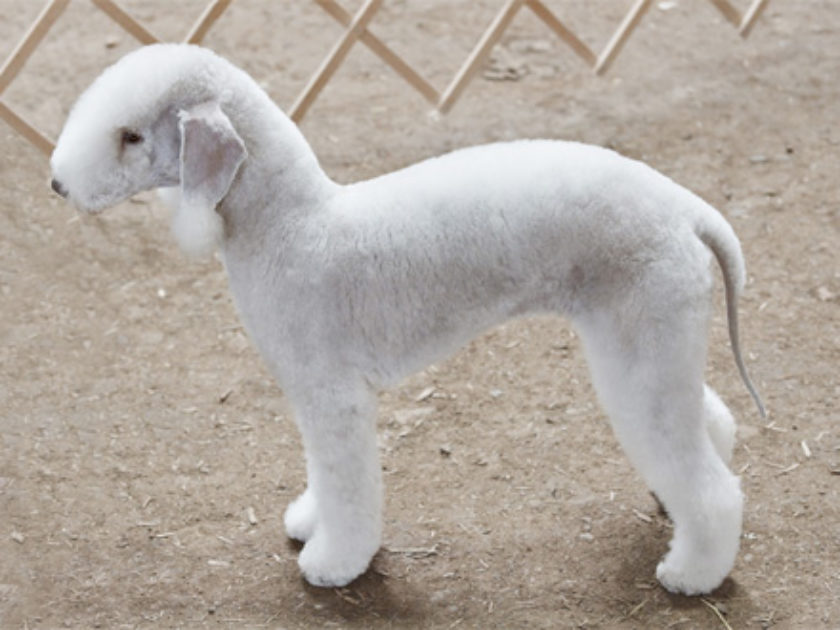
{"points": [[58, 187]]}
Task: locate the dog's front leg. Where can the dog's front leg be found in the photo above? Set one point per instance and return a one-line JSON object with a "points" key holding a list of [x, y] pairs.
{"points": [[340, 513]]}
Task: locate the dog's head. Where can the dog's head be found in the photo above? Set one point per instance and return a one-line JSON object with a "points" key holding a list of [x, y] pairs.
{"points": [[153, 119]]}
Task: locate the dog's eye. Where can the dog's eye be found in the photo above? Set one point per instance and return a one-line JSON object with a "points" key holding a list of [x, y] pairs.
{"points": [[131, 137]]}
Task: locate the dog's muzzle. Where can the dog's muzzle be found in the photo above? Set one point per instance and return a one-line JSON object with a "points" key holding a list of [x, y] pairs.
{"points": [[58, 187]]}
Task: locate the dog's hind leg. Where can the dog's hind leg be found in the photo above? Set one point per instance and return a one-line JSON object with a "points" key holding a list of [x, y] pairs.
{"points": [[648, 372], [719, 423], [340, 513]]}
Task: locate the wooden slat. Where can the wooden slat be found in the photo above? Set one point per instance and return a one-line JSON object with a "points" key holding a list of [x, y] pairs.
{"points": [[35, 137], [334, 59], [119, 15], [543, 13], [356, 31], [728, 11], [478, 54], [383, 52], [751, 16], [30, 41], [212, 13], [619, 38]]}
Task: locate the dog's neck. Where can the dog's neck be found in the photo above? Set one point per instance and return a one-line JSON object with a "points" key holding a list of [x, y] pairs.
{"points": [[280, 181]]}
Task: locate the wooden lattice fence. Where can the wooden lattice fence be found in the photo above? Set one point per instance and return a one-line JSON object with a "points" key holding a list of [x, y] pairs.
{"points": [[356, 30]]}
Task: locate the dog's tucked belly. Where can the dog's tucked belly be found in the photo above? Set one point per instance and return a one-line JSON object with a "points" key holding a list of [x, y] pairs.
{"points": [[398, 319]]}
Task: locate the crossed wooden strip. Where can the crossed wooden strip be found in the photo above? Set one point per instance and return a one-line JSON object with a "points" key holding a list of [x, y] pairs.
{"points": [[51, 12], [745, 22], [356, 30]]}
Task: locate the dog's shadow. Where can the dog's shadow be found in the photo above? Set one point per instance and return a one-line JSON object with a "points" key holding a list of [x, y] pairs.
{"points": [[372, 596], [644, 550], [368, 597]]}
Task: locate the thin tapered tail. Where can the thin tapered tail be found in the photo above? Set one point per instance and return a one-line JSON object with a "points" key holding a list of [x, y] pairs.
{"points": [[719, 237]]}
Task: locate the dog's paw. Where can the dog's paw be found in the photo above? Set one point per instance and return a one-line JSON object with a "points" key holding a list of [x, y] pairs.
{"points": [[300, 517], [682, 579], [327, 563]]}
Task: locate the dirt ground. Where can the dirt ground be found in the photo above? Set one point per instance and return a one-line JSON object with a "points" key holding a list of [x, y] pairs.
{"points": [[146, 455]]}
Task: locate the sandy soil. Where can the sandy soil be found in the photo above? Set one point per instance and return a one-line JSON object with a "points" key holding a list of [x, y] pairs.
{"points": [[146, 455]]}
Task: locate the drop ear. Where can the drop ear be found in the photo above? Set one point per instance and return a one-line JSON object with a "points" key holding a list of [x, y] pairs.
{"points": [[211, 154]]}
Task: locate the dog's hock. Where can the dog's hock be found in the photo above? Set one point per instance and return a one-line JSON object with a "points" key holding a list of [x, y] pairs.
{"points": [[211, 154]]}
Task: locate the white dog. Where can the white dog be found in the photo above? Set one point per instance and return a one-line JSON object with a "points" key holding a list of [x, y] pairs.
{"points": [[348, 289]]}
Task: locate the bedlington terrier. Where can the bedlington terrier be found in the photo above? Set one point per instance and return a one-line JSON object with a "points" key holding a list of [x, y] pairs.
{"points": [[347, 289]]}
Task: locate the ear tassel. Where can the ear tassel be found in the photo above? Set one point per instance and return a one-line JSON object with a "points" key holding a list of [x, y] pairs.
{"points": [[211, 153], [198, 228]]}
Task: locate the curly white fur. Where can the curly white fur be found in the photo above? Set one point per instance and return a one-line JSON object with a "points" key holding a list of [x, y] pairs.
{"points": [[348, 289]]}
